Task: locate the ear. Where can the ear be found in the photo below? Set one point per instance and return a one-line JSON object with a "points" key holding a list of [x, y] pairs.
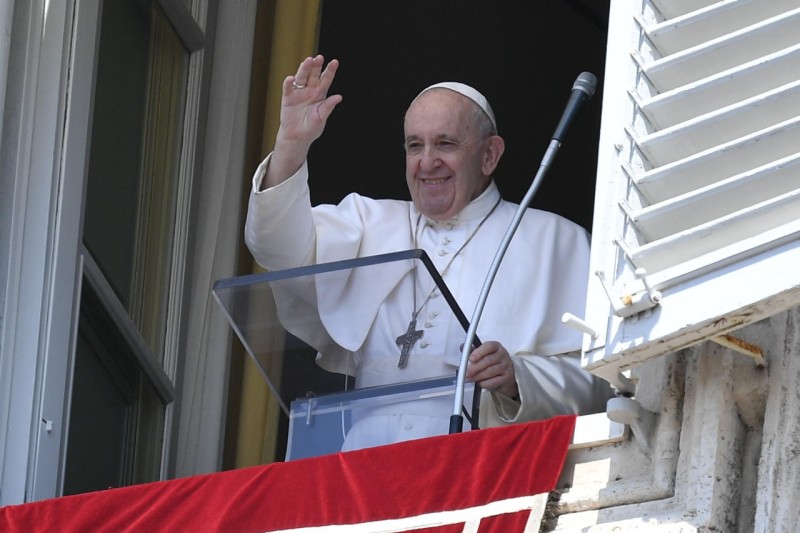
{"points": [[495, 147]]}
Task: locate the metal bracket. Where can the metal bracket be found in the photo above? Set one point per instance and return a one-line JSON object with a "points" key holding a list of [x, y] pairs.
{"points": [[632, 302], [310, 410], [743, 347]]}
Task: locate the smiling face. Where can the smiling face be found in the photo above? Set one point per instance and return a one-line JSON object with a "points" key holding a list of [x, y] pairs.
{"points": [[449, 155]]}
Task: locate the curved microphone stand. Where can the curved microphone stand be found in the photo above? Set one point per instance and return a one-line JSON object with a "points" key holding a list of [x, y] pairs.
{"points": [[582, 90]]}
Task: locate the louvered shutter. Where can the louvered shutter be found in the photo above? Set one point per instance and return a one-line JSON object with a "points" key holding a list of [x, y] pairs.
{"points": [[697, 216]]}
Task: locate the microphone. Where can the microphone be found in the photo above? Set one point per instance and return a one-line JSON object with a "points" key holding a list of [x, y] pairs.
{"points": [[582, 91]]}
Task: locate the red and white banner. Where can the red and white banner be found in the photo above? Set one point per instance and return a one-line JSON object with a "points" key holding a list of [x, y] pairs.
{"points": [[495, 479]]}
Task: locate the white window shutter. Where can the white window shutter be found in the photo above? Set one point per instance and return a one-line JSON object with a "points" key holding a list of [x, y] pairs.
{"points": [[697, 212]]}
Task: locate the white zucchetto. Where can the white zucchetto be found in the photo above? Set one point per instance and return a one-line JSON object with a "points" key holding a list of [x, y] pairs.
{"points": [[464, 90]]}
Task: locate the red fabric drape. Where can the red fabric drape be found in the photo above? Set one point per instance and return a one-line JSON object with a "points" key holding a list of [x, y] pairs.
{"points": [[448, 473]]}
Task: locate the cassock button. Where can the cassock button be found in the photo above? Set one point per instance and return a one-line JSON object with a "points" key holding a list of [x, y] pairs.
{"points": [[424, 344], [409, 427], [442, 252]]}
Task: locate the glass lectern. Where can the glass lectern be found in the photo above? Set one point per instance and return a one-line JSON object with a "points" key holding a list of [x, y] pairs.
{"points": [[308, 328]]}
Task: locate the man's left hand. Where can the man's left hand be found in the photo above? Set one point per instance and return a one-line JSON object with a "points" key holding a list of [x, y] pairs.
{"points": [[490, 366]]}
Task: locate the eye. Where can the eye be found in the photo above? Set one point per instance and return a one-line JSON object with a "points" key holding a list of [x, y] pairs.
{"points": [[446, 145], [413, 147]]}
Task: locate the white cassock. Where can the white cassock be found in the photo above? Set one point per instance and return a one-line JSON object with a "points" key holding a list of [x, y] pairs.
{"points": [[543, 275]]}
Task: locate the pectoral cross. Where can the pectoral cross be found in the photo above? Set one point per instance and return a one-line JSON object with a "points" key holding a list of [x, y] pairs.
{"points": [[407, 340]]}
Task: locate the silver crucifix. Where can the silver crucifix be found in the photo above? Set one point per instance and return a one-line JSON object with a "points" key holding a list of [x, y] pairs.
{"points": [[407, 340]]}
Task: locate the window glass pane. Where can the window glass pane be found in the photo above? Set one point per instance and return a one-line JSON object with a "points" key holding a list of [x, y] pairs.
{"points": [[116, 426], [117, 419], [133, 165], [102, 410]]}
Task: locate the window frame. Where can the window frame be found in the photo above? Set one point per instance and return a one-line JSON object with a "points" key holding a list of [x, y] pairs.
{"points": [[47, 126]]}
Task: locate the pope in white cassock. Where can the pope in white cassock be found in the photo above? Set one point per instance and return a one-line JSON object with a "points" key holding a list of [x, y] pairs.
{"points": [[529, 361]]}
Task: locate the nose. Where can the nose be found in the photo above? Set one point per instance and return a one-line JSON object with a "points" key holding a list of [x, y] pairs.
{"points": [[429, 158]]}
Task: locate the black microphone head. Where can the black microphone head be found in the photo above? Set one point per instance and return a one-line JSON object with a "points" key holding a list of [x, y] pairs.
{"points": [[586, 82]]}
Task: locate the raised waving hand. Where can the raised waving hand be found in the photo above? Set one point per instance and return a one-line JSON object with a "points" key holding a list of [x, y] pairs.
{"points": [[305, 108]]}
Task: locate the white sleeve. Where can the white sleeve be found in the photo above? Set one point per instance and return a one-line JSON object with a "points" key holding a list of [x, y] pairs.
{"points": [[548, 386], [279, 230]]}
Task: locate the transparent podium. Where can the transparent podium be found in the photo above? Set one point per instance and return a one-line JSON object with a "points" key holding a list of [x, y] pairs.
{"points": [[308, 329]]}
